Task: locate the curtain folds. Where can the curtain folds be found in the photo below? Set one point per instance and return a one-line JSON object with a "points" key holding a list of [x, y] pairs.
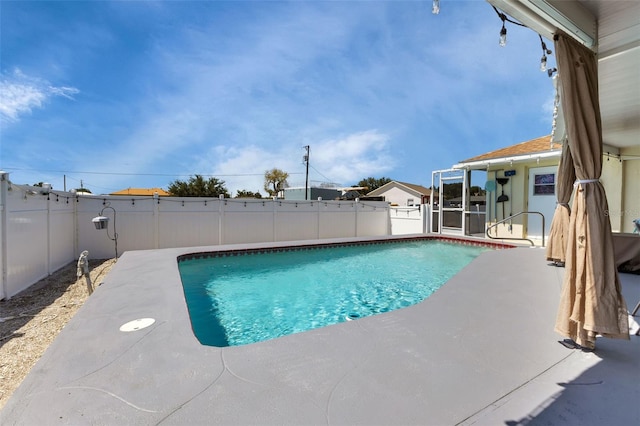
{"points": [[591, 302], [559, 231]]}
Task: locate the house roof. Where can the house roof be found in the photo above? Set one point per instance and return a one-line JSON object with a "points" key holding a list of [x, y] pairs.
{"points": [[535, 146], [142, 191], [410, 186]]}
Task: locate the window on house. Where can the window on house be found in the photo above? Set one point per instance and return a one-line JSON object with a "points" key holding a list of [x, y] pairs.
{"points": [[409, 201], [544, 184]]}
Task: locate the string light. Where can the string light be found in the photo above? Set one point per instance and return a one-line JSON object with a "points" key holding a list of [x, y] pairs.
{"points": [[436, 7], [556, 107], [545, 52], [503, 30], [503, 35]]}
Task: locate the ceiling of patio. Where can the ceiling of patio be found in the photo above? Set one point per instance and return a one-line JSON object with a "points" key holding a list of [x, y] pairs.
{"points": [[619, 69]]}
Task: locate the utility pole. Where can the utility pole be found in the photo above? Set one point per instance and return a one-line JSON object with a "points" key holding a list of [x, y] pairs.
{"points": [[306, 182]]}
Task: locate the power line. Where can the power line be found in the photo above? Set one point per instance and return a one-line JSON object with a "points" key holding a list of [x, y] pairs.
{"points": [[316, 170], [140, 174]]}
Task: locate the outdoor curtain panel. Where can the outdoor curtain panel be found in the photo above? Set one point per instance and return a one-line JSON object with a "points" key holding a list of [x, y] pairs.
{"points": [[591, 302], [559, 232]]}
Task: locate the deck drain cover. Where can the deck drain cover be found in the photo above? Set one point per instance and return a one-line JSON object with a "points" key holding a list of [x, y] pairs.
{"points": [[137, 324]]}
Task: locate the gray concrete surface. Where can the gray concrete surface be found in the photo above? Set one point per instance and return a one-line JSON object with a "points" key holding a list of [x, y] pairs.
{"points": [[481, 350]]}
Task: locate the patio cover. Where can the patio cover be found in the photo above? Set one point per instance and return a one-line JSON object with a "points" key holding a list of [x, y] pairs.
{"points": [[591, 302]]}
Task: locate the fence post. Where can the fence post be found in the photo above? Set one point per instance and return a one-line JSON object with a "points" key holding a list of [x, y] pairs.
{"points": [[4, 182], [423, 217], [48, 201], [76, 231], [220, 219], [356, 218], [319, 211], [156, 220], [275, 220]]}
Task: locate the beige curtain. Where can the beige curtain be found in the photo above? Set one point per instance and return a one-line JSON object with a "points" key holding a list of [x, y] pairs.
{"points": [[591, 302], [559, 232]]}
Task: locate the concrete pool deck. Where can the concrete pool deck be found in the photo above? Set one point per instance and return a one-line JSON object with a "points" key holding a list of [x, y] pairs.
{"points": [[480, 350]]}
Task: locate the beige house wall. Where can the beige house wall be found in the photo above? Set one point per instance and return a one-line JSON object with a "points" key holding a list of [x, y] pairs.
{"points": [[515, 189], [397, 195], [621, 181], [543, 163], [631, 189], [611, 178], [518, 191], [623, 199]]}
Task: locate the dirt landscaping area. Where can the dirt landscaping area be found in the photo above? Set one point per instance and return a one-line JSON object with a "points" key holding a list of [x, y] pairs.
{"points": [[31, 320]]}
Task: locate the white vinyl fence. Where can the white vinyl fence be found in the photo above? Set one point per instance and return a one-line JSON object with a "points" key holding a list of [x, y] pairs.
{"points": [[41, 232], [409, 220]]}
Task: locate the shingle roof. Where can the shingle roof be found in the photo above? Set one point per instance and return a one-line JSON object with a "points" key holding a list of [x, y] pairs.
{"points": [[541, 144], [421, 189], [142, 191], [417, 188]]}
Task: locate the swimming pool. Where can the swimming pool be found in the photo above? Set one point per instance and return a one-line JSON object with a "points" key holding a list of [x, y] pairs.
{"points": [[241, 298]]}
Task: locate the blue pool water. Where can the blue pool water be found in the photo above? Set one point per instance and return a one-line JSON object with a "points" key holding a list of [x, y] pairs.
{"points": [[244, 299]]}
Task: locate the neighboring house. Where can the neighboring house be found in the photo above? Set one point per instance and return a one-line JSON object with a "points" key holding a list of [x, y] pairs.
{"points": [[329, 193], [522, 177], [315, 192], [142, 192], [402, 193]]}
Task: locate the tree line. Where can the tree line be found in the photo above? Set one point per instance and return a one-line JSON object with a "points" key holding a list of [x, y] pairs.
{"points": [[275, 180]]}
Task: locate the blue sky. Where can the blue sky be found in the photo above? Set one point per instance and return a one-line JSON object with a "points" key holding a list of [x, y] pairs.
{"points": [[138, 94]]}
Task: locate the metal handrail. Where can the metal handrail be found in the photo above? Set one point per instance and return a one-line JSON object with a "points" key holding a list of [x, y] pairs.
{"points": [[514, 238]]}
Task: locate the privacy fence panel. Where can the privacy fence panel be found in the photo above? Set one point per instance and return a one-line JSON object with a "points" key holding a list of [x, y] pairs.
{"points": [[370, 221], [183, 222], [131, 219], [61, 231], [135, 229], [337, 219], [247, 221], [26, 237], [3, 240], [296, 220]]}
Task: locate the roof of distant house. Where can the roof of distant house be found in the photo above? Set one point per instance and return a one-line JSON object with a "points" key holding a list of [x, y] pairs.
{"points": [[534, 146], [416, 188], [142, 192]]}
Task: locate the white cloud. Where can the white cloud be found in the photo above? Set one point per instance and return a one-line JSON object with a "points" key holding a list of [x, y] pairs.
{"points": [[344, 160], [20, 94], [19, 99], [65, 92], [244, 167], [354, 157]]}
